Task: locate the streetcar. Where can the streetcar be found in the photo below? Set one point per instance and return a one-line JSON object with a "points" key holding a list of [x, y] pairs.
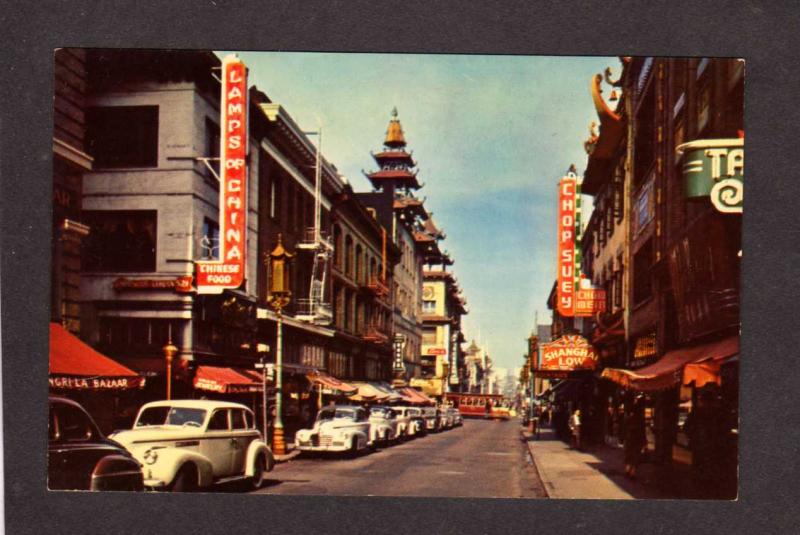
{"points": [[490, 406]]}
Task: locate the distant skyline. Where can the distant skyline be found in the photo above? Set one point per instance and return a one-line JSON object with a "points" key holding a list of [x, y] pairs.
{"points": [[491, 135]]}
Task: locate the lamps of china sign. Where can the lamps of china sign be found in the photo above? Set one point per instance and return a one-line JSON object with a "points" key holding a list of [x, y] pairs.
{"points": [[575, 296], [229, 270], [715, 168]]}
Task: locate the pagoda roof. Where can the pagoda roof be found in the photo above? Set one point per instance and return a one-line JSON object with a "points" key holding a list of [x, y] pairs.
{"points": [[394, 156], [404, 177], [431, 228], [412, 205], [438, 274], [601, 147]]}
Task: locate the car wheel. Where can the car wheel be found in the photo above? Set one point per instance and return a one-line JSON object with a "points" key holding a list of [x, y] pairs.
{"points": [[259, 467], [185, 480], [354, 448]]}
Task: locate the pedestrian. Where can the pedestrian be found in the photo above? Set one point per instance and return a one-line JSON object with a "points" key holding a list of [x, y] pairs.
{"points": [[635, 437], [575, 428]]}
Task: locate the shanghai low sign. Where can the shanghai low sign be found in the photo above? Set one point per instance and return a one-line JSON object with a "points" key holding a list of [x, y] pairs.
{"points": [[229, 271], [568, 353], [715, 168]]}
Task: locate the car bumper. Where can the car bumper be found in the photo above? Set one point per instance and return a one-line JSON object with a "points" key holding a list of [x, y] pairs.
{"points": [[333, 447]]}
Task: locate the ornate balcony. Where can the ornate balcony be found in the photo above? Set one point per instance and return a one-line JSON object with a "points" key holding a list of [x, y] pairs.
{"points": [[376, 334], [377, 286], [314, 312]]}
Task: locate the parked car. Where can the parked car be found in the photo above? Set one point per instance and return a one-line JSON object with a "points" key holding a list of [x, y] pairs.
{"points": [[79, 457], [457, 419], [403, 421], [190, 444], [413, 419], [445, 417], [417, 421], [382, 425], [337, 428], [431, 416]]}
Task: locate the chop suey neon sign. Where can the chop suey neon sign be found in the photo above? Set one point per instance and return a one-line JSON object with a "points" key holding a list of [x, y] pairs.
{"points": [[229, 270]]}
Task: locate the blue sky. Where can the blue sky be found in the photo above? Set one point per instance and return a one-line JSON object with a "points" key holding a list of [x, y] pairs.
{"points": [[491, 135]]}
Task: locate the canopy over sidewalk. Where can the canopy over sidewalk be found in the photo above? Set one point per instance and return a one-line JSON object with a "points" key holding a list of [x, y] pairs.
{"points": [[668, 371], [74, 365], [331, 385], [226, 380]]}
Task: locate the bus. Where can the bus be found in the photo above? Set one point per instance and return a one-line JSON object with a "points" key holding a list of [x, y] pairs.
{"points": [[492, 406]]}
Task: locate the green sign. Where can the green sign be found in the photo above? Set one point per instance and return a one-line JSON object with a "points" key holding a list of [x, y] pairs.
{"points": [[715, 168]]}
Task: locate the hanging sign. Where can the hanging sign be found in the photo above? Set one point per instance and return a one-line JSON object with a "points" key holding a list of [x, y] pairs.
{"points": [[229, 271], [715, 168], [567, 196], [568, 353]]}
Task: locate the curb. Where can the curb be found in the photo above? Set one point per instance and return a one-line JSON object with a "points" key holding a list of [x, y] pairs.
{"points": [[525, 437], [287, 457]]}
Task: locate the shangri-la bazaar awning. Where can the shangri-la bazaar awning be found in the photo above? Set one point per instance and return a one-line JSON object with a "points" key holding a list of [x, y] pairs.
{"points": [[74, 365], [668, 371]]}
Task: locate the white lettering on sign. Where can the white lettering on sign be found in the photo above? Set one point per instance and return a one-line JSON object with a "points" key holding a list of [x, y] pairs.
{"points": [[229, 272]]}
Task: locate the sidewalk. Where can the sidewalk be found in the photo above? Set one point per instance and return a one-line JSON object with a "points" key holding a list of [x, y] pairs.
{"points": [[596, 473]]}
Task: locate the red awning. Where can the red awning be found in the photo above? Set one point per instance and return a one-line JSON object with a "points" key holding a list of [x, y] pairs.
{"points": [[226, 380], [331, 385], [368, 392], [705, 371], [74, 365], [415, 396], [668, 371]]}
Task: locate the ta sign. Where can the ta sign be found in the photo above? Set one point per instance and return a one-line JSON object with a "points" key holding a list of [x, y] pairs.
{"points": [[229, 271]]}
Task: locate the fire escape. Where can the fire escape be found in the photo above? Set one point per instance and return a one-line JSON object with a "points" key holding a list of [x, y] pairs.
{"points": [[314, 309]]}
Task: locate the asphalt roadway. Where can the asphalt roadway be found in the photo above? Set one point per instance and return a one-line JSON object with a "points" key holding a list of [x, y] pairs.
{"points": [[483, 458]]}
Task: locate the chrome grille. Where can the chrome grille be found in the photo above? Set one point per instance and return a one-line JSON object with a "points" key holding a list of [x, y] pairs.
{"points": [[325, 440]]}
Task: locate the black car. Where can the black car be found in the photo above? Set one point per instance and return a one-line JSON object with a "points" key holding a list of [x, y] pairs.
{"points": [[79, 457]]}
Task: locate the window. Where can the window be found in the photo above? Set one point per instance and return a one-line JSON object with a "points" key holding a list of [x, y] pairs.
{"points": [[212, 148], [348, 256], [123, 136], [73, 425], [238, 420], [359, 264], [219, 420], [644, 146], [209, 242], [130, 336], [428, 307], [642, 283], [120, 240]]}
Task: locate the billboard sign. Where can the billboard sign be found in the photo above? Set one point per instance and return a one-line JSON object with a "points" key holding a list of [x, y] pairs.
{"points": [[229, 271], [569, 353]]}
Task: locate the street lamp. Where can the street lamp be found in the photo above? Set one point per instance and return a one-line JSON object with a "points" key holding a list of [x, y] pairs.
{"points": [[262, 350], [169, 353], [533, 350], [278, 298]]}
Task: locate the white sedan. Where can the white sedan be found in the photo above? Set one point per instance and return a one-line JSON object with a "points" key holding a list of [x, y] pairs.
{"points": [[383, 425], [340, 428], [184, 445]]}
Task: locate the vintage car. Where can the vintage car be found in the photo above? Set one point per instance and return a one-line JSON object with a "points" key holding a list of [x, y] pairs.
{"points": [[190, 444], [403, 421], [412, 417], [382, 425], [338, 428], [431, 416], [445, 417], [457, 419], [79, 457]]}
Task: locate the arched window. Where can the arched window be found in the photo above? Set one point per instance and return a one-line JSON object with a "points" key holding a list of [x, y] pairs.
{"points": [[359, 264], [337, 246], [372, 267], [348, 256]]}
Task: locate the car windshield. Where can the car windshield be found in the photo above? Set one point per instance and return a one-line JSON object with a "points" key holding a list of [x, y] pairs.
{"points": [[345, 413], [378, 412], [171, 416]]}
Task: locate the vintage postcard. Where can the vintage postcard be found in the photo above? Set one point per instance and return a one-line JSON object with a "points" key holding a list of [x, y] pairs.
{"points": [[396, 274]]}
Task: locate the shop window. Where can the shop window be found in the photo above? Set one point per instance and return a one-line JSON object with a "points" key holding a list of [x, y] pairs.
{"points": [[137, 336], [642, 282], [120, 241], [209, 242], [123, 136]]}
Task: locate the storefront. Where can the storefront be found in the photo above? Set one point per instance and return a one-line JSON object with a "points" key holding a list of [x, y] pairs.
{"points": [[104, 387]]}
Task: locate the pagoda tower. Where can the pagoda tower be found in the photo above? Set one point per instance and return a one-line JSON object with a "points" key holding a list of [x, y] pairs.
{"points": [[396, 167]]}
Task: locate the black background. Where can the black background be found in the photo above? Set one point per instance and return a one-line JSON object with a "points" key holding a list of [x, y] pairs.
{"points": [[766, 36]]}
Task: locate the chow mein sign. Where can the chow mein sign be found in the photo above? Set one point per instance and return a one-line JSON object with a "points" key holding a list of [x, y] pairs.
{"points": [[229, 270]]}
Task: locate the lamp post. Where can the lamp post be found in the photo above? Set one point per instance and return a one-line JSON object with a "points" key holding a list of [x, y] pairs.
{"points": [[279, 297], [533, 349], [169, 353], [262, 350]]}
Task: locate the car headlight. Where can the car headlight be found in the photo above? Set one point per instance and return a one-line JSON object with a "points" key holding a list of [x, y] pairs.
{"points": [[150, 456]]}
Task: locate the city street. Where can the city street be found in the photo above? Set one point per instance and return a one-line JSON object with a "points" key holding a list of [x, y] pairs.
{"points": [[481, 459]]}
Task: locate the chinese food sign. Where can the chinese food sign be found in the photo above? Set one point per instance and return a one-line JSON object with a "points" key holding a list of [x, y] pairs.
{"points": [[229, 271]]}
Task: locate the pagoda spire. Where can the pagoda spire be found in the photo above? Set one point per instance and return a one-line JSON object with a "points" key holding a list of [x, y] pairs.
{"points": [[394, 134]]}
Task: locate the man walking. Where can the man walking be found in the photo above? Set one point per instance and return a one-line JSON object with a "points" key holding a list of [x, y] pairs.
{"points": [[575, 428]]}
